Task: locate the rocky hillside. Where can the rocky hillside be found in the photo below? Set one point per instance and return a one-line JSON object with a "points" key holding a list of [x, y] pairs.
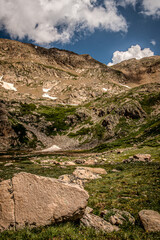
{"points": [[138, 72], [32, 73], [58, 76], [57, 99], [107, 122]]}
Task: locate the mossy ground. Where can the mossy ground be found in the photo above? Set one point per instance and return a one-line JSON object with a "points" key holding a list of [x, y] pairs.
{"points": [[133, 188]]}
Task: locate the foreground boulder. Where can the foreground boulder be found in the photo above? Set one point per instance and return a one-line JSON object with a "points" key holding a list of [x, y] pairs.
{"points": [[138, 158], [7, 218], [98, 223], [150, 220], [31, 200]]}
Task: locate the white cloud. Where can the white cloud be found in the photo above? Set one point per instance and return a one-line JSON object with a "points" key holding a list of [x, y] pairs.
{"points": [[46, 21], [133, 52], [153, 42], [151, 7]]}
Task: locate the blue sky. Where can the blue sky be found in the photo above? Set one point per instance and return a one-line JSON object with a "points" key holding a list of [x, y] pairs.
{"points": [[98, 28]]}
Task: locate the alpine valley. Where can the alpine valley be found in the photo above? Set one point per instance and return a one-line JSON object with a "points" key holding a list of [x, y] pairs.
{"points": [[79, 146], [56, 97]]}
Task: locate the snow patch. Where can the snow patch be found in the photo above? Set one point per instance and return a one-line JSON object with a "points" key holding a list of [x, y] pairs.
{"points": [[125, 85], [46, 90], [6, 85], [51, 149], [46, 95], [105, 89]]}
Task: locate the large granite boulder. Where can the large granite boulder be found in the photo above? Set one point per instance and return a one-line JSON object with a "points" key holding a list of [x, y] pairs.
{"points": [[31, 200]]}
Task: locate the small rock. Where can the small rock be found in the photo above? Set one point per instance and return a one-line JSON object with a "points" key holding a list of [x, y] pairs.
{"points": [[91, 162], [64, 167], [119, 151], [88, 210], [88, 173], [143, 157], [91, 220], [71, 179], [138, 158], [46, 167], [79, 161], [150, 220], [115, 170], [8, 164], [69, 163], [118, 217]]}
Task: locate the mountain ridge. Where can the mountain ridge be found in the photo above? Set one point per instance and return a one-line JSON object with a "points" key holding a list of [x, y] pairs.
{"points": [[74, 102]]}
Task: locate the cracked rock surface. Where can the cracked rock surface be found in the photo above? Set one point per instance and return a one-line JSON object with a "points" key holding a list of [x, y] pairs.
{"points": [[31, 200]]}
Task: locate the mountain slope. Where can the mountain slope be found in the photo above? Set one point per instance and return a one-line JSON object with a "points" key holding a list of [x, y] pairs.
{"points": [[52, 74], [107, 122], [56, 97], [138, 72]]}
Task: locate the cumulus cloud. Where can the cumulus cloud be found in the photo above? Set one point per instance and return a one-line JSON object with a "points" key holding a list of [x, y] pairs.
{"points": [[46, 21], [133, 52], [153, 42], [151, 7]]}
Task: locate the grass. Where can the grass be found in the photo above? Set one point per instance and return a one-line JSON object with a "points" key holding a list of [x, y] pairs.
{"points": [[133, 188], [82, 131], [58, 116], [150, 100], [27, 108], [72, 231]]}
